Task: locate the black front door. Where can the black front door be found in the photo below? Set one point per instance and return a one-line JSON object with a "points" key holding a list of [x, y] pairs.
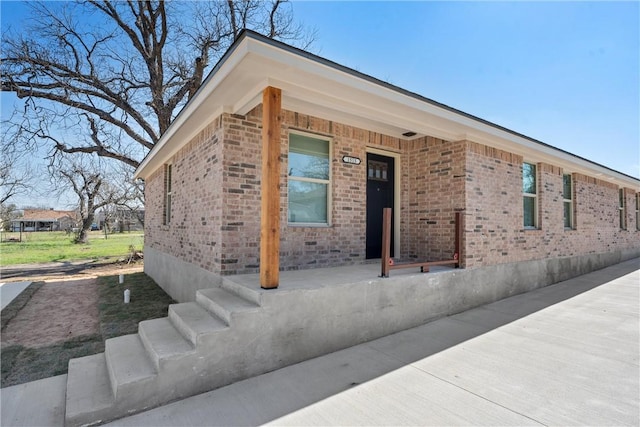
{"points": [[380, 175]]}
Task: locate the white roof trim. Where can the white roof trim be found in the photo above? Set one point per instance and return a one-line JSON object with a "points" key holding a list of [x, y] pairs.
{"points": [[318, 87]]}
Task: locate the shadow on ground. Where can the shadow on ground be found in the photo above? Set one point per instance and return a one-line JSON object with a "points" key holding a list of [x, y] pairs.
{"points": [[55, 269]]}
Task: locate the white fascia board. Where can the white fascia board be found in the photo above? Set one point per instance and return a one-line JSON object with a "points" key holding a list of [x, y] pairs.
{"points": [[373, 102], [316, 88], [379, 106], [166, 151], [348, 86]]}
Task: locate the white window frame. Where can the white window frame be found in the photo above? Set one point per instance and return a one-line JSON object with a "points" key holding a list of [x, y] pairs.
{"points": [[568, 201], [622, 205], [533, 196], [637, 211], [328, 182], [168, 192]]}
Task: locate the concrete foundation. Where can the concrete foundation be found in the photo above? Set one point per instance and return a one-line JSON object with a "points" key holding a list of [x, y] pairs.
{"points": [[321, 313], [239, 330], [177, 278]]}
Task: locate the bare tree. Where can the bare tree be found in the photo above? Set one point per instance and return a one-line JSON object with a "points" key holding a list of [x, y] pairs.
{"points": [[12, 181], [14, 177], [131, 205], [128, 208], [93, 189], [8, 212], [111, 76]]}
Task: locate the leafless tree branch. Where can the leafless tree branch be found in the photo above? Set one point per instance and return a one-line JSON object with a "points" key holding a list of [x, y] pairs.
{"points": [[93, 187], [124, 71]]}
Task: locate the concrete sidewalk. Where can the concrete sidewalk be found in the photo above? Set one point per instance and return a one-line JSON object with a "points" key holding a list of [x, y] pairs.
{"points": [[10, 291], [560, 355]]}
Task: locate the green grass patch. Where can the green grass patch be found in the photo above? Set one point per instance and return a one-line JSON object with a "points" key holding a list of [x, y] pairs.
{"points": [[22, 364], [148, 301], [38, 247]]}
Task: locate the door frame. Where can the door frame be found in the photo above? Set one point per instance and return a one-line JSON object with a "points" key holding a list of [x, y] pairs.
{"points": [[396, 193]]}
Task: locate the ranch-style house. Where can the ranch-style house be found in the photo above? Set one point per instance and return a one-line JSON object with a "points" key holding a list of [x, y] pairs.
{"points": [[266, 201]]}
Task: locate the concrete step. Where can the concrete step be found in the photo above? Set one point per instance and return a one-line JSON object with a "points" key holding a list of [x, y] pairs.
{"points": [[163, 342], [89, 394], [224, 304], [253, 295], [157, 365], [194, 322], [130, 367]]}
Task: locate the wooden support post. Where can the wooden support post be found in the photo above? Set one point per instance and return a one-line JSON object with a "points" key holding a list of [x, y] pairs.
{"points": [[270, 189], [458, 238], [386, 242]]}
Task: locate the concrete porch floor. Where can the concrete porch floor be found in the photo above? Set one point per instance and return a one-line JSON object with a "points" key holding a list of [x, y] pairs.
{"points": [[566, 354], [315, 278]]}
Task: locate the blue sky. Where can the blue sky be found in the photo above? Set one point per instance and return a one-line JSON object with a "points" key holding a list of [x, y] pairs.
{"points": [[565, 73]]}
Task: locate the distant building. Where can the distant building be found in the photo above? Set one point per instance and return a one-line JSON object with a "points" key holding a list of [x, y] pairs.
{"points": [[45, 220], [121, 219]]}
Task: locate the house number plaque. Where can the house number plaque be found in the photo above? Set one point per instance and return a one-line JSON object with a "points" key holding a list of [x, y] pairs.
{"points": [[351, 160]]}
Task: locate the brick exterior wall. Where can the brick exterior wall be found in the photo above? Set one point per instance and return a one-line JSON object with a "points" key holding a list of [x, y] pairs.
{"points": [[493, 216], [343, 242], [216, 202], [434, 189], [494, 231], [194, 233], [240, 194]]}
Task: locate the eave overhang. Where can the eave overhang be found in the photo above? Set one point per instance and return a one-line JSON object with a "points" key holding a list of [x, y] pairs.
{"points": [[318, 87]]}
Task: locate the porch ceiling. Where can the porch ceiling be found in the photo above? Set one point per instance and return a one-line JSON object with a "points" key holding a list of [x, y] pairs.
{"points": [[321, 88]]}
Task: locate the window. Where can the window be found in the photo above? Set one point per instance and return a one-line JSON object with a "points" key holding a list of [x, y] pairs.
{"points": [[167, 194], [529, 194], [637, 211], [378, 171], [567, 200], [309, 179], [623, 211]]}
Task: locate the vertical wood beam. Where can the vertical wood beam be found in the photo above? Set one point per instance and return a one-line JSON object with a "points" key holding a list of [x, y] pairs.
{"points": [[270, 189], [385, 257], [458, 239]]}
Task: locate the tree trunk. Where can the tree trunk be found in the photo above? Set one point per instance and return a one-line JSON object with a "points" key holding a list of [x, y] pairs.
{"points": [[82, 236], [83, 233]]}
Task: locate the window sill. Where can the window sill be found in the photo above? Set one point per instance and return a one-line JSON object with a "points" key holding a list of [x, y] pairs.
{"points": [[307, 225]]}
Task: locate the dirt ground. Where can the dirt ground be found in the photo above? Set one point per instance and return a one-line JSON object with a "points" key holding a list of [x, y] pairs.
{"points": [[64, 308], [58, 311], [66, 270]]}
